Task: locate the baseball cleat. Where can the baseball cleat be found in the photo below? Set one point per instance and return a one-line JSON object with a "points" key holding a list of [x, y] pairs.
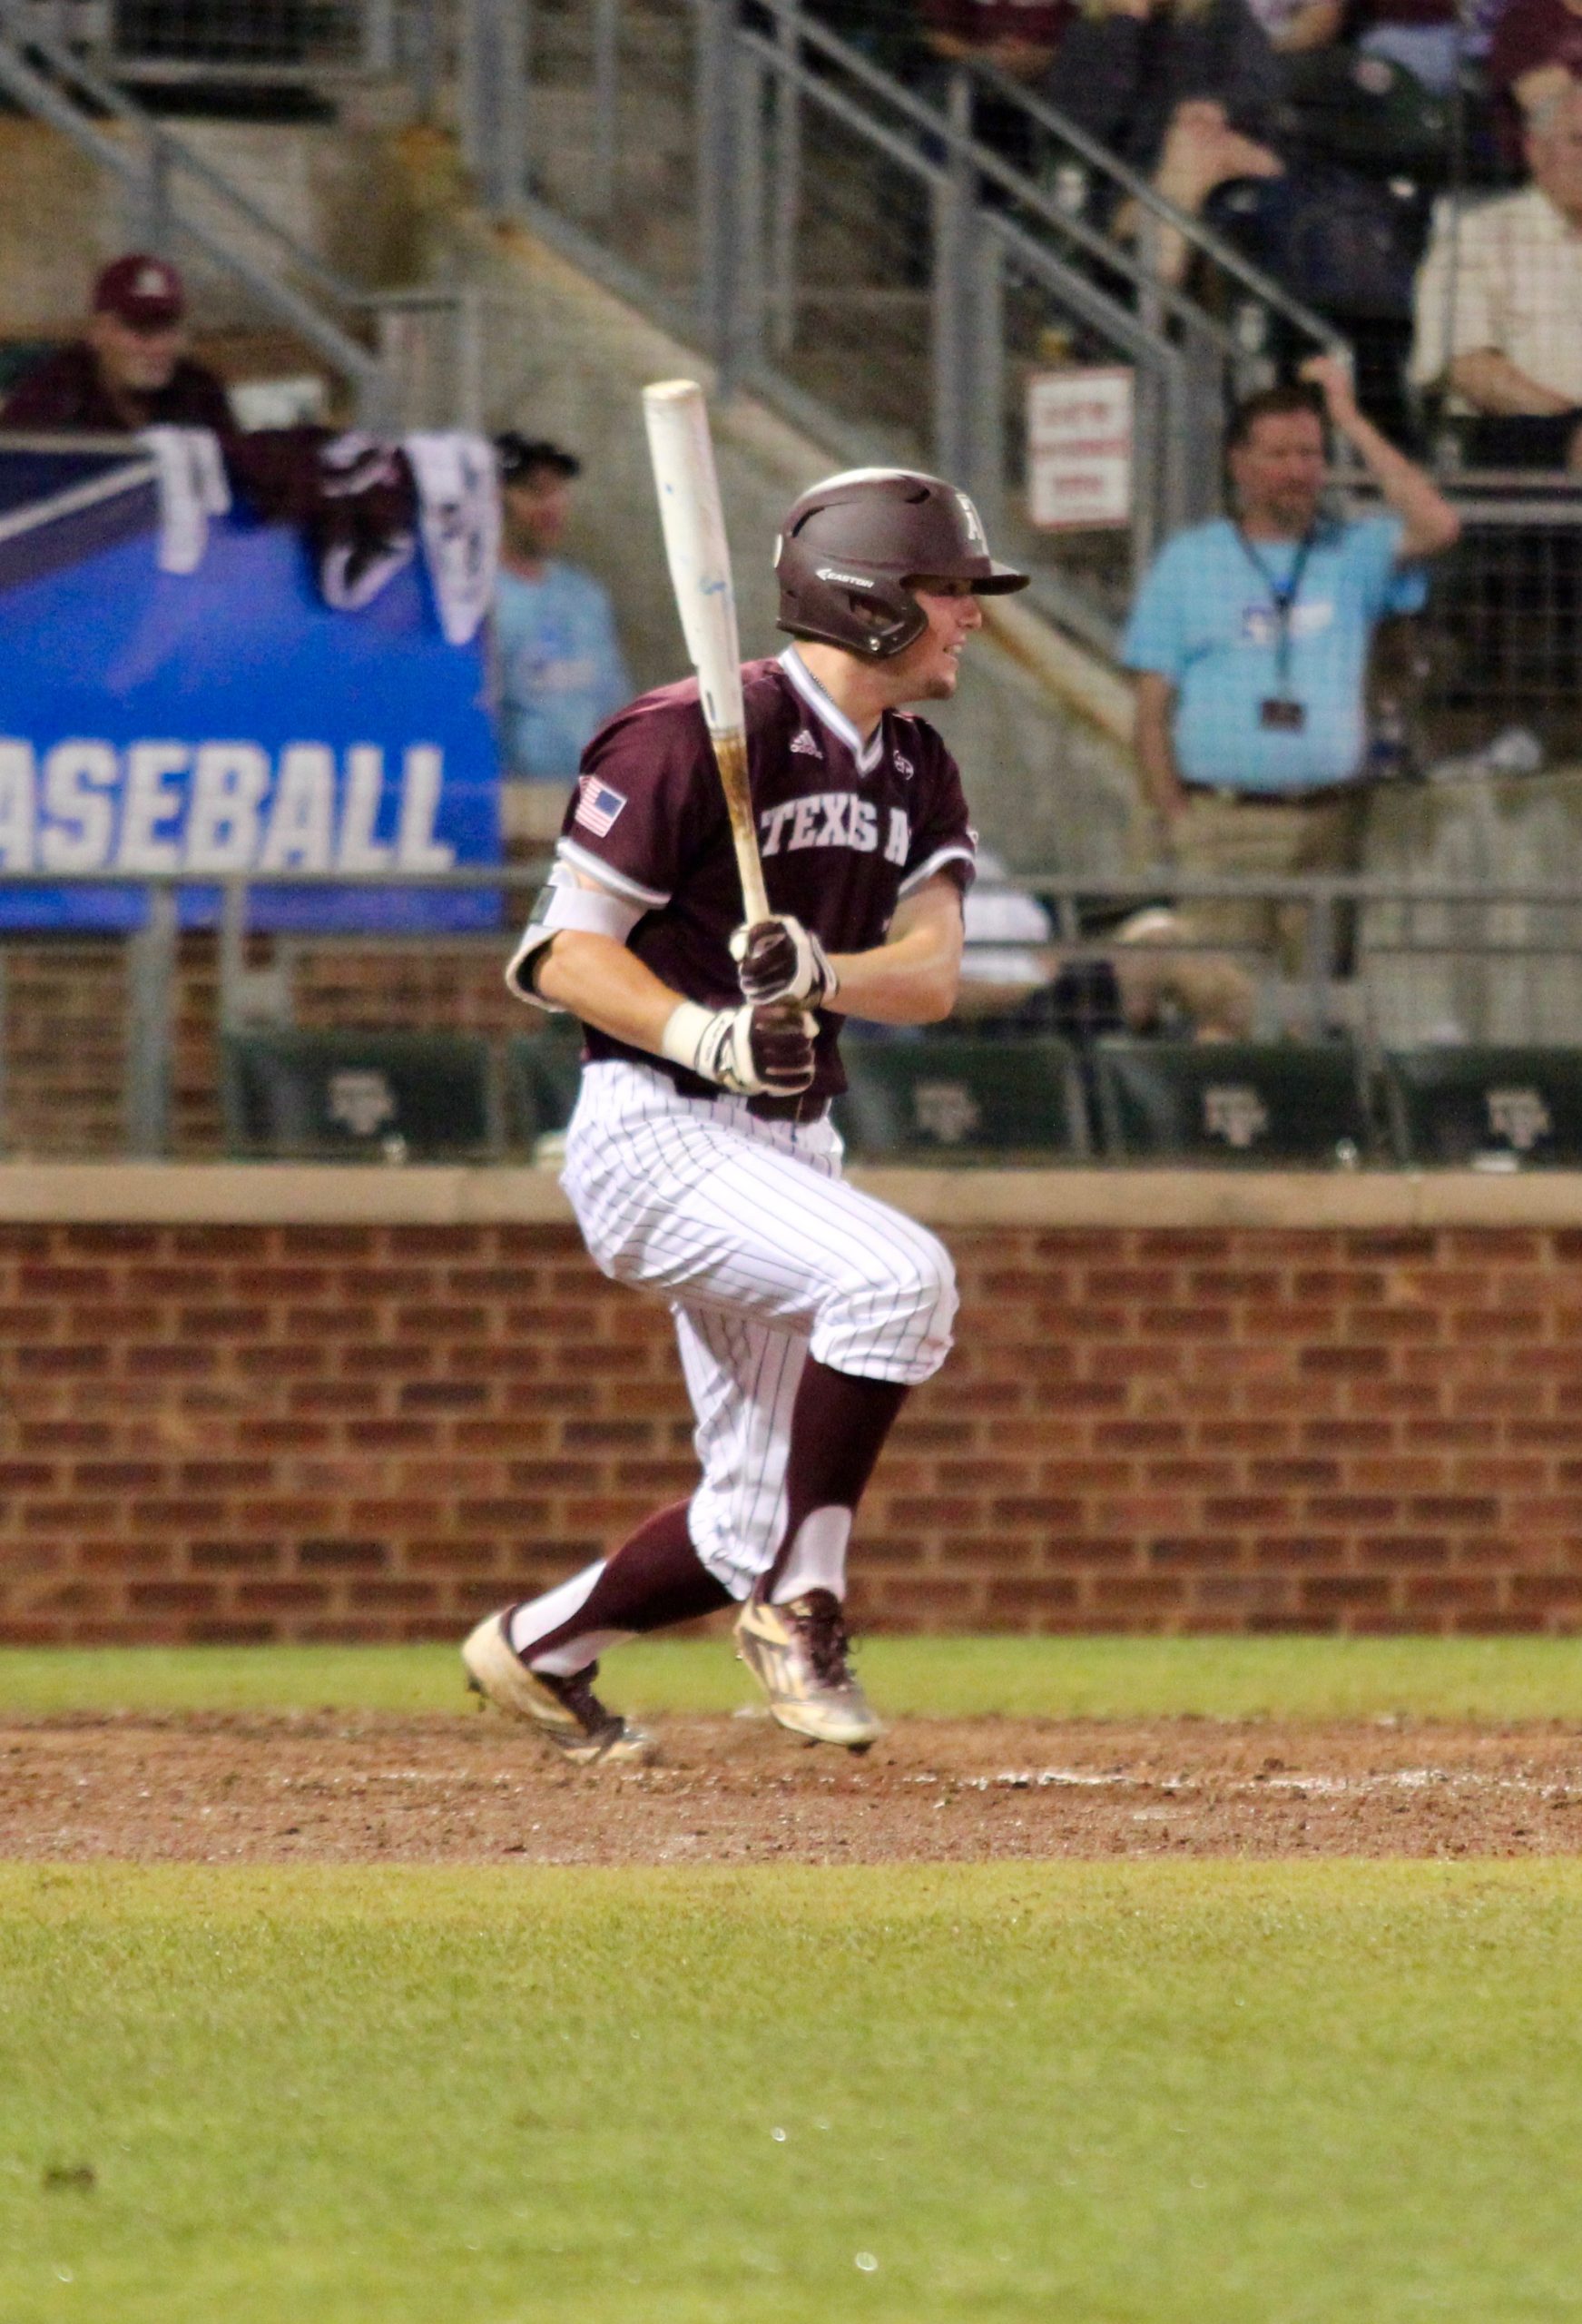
{"points": [[566, 1711], [797, 1652]]}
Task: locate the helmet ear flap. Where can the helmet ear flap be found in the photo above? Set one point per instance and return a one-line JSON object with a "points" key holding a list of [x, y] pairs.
{"points": [[875, 623]]}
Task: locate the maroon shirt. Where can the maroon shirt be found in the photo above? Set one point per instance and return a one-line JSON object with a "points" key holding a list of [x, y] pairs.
{"points": [[845, 830], [65, 390], [1041, 23], [1530, 32]]}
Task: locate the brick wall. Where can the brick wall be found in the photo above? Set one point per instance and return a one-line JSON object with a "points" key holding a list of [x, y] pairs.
{"points": [[268, 1429]]}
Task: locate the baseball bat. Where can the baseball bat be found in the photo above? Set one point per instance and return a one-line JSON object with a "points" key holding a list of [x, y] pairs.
{"points": [[682, 455]]}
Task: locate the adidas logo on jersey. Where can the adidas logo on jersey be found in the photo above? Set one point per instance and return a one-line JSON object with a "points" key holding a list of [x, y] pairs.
{"points": [[903, 765], [803, 741]]}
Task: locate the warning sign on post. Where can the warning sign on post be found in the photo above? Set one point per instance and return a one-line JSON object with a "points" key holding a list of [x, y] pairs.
{"points": [[1079, 449]]}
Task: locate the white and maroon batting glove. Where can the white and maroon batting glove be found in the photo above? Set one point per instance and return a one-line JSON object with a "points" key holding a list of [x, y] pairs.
{"points": [[753, 1051], [779, 960]]}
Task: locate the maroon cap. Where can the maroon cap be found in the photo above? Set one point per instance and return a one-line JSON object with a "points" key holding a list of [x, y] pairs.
{"points": [[144, 291]]}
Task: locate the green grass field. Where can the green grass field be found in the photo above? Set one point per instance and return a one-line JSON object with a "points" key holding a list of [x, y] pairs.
{"points": [[1479, 1679], [1166, 2094], [1209, 2093]]}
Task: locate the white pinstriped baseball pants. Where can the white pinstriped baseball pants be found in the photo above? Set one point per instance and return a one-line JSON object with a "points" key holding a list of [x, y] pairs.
{"points": [[764, 1255]]}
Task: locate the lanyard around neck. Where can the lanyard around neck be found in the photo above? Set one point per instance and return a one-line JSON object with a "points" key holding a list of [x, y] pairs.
{"points": [[1283, 597]]}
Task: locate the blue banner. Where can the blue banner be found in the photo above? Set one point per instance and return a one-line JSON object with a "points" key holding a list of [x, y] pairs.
{"points": [[227, 721]]}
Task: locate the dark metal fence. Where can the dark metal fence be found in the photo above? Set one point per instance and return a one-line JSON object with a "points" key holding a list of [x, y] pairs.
{"points": [[1383, 962]]}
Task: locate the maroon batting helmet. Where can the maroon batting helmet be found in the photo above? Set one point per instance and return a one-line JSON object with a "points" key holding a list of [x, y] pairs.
{"points": [[848, 547]]}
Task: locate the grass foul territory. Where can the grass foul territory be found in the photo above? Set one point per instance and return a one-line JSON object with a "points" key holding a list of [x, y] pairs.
{"points": [[1495, 1679], [1128, 2094]]}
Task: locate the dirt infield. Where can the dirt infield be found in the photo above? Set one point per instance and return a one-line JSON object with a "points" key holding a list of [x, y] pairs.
{"points": [[346, 1788]]}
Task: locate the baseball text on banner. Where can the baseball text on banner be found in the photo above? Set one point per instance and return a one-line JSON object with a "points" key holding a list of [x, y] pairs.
{"points": [[227, 721]]}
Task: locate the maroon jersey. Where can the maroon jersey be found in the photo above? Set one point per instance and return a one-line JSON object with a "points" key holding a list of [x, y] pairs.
{"points": [[845, 828]]}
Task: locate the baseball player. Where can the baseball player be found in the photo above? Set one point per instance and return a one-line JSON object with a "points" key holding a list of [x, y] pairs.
{"points": [[701, 1160]]}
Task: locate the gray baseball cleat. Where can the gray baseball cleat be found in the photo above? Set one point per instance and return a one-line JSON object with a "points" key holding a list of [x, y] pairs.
{"points": [[566, 1711], [797, 1652]]}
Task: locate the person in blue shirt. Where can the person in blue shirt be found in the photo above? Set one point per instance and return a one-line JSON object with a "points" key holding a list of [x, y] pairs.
{"points": [[1250, 637], [560, 667]]}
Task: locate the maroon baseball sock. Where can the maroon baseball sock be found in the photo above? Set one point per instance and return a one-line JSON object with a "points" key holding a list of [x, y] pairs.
{"points": [[839, 1424], [653, 1580]]}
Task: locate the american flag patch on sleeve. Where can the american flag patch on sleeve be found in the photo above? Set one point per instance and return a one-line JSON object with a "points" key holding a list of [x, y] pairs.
{"points": [[597, 805]]}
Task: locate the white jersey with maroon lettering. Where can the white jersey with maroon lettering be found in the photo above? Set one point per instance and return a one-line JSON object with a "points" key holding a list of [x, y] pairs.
{"points": [[734, 1211]]}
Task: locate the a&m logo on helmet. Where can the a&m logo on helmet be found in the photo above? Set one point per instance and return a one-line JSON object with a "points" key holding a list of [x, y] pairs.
{"points": [[974, 523]]}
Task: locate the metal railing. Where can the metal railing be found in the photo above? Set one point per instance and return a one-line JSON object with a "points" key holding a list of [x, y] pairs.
{"points": [[1488, 680], [859, 256], [1387, 962], [1499, 655], [409, 356]]}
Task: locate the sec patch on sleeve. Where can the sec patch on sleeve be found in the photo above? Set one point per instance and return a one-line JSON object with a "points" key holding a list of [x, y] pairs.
{"points": [[597, 805]]}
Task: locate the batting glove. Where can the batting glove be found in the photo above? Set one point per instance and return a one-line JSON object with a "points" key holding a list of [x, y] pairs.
{"points": [[753, 1051], [779, 960]]}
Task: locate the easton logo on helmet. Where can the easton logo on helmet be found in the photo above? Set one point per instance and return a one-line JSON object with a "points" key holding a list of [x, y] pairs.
{"points": [[851, 580]]}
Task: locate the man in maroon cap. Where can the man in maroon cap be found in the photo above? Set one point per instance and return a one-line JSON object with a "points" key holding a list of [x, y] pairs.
{"points": [[129, 370]]}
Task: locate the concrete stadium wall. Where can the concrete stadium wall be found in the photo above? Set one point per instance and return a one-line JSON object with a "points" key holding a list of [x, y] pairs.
{"points": [[278, 1402], [338, 187]]}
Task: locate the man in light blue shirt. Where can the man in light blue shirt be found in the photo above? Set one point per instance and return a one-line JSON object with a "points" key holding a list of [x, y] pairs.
{"points": [[561, 671], [1250, 636]]}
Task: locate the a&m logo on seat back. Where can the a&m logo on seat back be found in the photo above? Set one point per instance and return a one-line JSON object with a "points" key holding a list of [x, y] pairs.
{"points": [[1234, 1111]]}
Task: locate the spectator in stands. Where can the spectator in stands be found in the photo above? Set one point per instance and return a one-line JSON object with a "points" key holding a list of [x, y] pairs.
{"points": [[1499, 304], [1185, 91], [1016, 37], [131, 369], [560, 663], [1534, 56], [1127, 69], [1251, 638]]}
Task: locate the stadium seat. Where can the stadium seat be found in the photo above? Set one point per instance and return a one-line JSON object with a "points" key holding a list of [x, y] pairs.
{"points": [[350, 1097], [972, 1100], [1499, 1107], [1253, 1102], [542, 1072]]}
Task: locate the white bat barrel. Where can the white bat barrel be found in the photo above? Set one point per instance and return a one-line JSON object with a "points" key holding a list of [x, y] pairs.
{"points": [[682, 456]]}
